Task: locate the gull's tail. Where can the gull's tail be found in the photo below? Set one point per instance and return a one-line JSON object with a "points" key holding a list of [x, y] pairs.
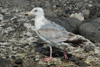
{"points": [[76, 42]]}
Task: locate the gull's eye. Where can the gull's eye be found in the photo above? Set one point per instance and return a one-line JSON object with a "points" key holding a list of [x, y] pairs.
{"points": [[35, 10]]}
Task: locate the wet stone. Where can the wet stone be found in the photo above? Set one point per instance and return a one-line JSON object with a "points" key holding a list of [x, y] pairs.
{"points": [[73, 58], [18, 61], [13, 57], [7, 57], [82, 64]]}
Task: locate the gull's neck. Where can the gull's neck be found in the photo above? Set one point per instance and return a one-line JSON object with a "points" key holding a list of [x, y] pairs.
{"points": [[39, 21], [39, 17]]}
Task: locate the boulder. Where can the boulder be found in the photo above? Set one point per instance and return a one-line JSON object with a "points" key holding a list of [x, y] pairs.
{"points": [[91, 30]]}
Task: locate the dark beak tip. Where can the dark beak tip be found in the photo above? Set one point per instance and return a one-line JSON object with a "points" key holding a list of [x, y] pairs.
{"points": [[26, 14]]}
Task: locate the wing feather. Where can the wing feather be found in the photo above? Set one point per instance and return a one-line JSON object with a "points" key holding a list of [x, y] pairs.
{"points": [[53, 32]]}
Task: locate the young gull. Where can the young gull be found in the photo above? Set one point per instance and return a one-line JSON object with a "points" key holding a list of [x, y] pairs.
{"points": [[52, 33]]}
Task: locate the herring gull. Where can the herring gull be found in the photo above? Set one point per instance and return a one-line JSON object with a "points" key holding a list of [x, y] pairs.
{"points": [[52, 33]]}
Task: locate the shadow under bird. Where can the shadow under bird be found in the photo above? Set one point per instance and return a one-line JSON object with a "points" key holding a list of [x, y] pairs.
{"points": [[52, 33]]}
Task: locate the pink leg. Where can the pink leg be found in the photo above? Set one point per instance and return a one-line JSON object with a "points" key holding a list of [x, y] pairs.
{"points": [[49, 58], [66, 57]]}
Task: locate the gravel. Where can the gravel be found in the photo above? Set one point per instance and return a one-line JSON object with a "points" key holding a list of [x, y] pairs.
{"points": [[5, 63], [20, 47]]}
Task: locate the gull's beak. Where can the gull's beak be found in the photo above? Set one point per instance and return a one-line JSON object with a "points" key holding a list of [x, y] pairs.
{"points": [[28, 13]]}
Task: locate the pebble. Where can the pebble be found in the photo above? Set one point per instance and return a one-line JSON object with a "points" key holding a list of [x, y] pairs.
{"points": [[90, 5], [4, 10], [18, 61], [1, 17], [47, 4], [13, 57], [7, 57], [78, 16], [86, 13], [90, 2], [73, 58], [82, 64], [37, 59]]}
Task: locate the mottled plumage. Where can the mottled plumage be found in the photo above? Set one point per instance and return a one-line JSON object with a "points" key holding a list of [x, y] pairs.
{"points": [[52, 33]]}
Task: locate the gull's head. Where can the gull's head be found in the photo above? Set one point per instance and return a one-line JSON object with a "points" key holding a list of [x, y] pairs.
{"points": [[36, 12]]}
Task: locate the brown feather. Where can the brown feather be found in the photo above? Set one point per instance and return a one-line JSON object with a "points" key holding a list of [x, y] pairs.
{"points": [[76, 42]]}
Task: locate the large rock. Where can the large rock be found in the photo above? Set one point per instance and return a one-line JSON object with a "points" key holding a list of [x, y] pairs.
{"points": [[91, 30]]}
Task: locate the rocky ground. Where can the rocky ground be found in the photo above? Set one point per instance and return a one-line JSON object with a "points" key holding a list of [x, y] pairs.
{"points": [[20, 47]]}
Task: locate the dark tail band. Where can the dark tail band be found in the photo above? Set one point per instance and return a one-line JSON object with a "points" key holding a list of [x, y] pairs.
{"points": [[76, 42]]}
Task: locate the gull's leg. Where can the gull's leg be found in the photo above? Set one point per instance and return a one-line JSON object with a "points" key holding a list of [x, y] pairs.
{"points": [[66, 57], [49, 58]]}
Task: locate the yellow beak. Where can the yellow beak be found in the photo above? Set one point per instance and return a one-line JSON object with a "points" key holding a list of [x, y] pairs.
{"points": [[28, 13]]}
